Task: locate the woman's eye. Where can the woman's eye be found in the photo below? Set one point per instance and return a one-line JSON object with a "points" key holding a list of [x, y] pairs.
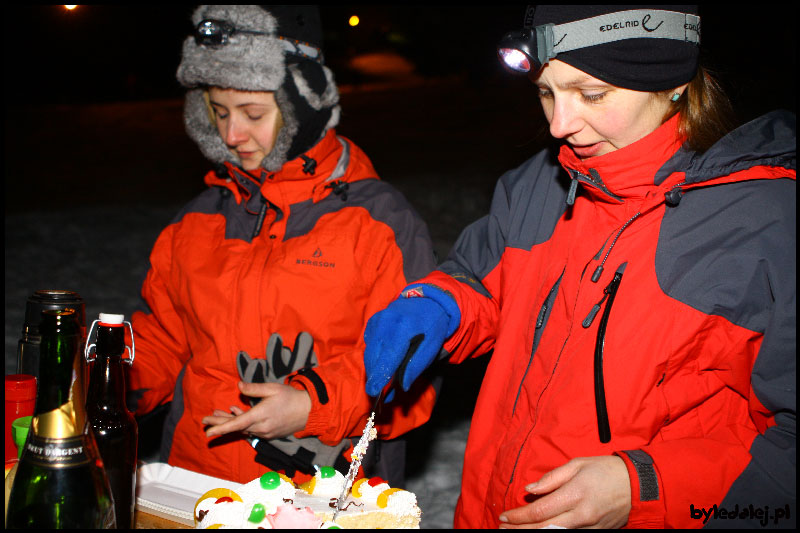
{"points": [[253, 117], [545, 93], [220, 114], [593, 97]]}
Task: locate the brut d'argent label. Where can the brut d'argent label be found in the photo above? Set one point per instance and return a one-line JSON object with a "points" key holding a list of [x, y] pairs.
{"points": [[56, 453]]}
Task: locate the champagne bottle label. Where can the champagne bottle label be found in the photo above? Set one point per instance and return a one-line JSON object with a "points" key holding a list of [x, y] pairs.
{"points": [[56, 453]]}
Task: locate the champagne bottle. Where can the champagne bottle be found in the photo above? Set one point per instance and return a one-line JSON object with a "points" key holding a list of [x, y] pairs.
{"points": [[114, 427], [60, 481]]}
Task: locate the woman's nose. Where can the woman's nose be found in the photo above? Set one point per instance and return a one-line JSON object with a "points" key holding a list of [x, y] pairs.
{"points": [[565, 119], [235, 133]]}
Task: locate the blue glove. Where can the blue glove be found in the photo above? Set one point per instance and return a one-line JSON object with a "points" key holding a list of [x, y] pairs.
{"points": [[415, 325]]}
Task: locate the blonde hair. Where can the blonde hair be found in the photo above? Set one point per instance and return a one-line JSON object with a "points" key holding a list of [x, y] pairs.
{"points": [[212, 117], [706, 112]]}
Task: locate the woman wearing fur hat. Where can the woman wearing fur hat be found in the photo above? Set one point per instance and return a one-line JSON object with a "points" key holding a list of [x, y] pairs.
{"points": [[258, 292], [637, 286]]}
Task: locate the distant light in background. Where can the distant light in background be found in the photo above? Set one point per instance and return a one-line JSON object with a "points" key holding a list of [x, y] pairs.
{"points": [[70, 8], [354, 20]]}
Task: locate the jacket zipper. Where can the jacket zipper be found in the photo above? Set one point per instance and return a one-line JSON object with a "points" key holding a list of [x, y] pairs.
{"points": [[541, 318], [609, 294], [599, 270]]}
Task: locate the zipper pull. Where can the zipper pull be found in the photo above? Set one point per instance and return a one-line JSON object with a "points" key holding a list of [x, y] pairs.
{"points": [[573, 190], [260, 220], [597, 273], [593, 313], [596, 307]]}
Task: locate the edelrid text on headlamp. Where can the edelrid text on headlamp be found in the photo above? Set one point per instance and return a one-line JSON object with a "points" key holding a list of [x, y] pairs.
{"points": [[529, 49], [210, 32]]}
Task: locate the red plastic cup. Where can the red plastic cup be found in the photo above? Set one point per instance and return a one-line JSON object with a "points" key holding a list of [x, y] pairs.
{"points": [[20, 401]]}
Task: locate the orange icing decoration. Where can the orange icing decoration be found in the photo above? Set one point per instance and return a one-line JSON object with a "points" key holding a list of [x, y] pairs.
{"points": [[309, 485], [217, 494], [356, 487], [383, 499]]}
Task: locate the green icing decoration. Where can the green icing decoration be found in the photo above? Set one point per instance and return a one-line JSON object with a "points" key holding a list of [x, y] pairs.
{"points": [[270, 481], [327, 471], [257, 514]]}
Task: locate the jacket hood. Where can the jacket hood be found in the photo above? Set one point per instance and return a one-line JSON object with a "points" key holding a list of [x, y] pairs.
{"points": [[769, 140]]}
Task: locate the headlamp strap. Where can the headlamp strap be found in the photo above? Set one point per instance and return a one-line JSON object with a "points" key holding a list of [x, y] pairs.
{"points": [[545, 43], [602, 29], [528, 21], [632, 24]]}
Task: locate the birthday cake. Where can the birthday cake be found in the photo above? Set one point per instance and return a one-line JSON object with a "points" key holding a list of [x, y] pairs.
{"points": [[273, 501]]}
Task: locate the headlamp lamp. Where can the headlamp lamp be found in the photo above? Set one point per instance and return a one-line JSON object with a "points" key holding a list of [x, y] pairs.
{"points": [[527, 50], [211, 32], [531, 48]]}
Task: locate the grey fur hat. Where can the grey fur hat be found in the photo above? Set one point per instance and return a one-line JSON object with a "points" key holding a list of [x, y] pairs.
{"points": [[260, 48]]}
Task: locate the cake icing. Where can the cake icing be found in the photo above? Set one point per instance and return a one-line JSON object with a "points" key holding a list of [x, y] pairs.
{"points": [[272, 501]]}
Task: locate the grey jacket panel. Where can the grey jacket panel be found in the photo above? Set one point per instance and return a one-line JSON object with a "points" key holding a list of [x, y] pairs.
{"points": [[527, 204]]}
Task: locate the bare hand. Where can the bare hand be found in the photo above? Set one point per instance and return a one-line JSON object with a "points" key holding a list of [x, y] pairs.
{"points": [[591, 492], [282, 411]]}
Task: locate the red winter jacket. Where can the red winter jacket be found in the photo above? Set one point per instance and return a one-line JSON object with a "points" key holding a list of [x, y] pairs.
{"points": [[648, 313], [284, 253]]}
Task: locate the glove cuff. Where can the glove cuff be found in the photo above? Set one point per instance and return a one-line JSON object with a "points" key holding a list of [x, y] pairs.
{"points": [[441, 297]]}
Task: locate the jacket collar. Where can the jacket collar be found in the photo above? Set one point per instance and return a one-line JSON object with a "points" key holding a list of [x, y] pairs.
{"points": [[311, 175], [628, 172]]}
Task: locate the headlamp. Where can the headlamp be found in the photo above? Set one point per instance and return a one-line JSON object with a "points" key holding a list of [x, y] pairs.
{"points": [[211, 32], [528, 50]]}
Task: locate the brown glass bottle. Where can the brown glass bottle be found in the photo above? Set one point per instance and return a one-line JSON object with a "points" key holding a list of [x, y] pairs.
{"points": [[60, 482], [114, 427]]}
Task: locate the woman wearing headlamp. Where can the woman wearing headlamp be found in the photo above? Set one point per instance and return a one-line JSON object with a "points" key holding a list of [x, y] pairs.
{"points": [[257, 293], [636, 288]]}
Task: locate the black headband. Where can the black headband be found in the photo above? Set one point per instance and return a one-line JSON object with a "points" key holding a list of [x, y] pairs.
{"points": [[643, 48]]}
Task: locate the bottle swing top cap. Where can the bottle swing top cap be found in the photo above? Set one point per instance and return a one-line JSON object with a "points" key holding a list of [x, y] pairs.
{"points": [[111, 320]]}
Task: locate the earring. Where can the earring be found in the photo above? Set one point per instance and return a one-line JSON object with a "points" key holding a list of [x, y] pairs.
{"points": [[674, 97]]}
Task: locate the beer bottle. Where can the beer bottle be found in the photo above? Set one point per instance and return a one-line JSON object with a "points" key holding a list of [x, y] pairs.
{"points": [[114, 426], [60, 482]]}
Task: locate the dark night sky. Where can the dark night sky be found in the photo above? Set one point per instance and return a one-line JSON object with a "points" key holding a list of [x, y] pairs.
{"points": [[113, 53]]}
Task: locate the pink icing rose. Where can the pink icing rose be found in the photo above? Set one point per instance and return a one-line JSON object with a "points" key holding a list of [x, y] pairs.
{"points": [[287, 517]]}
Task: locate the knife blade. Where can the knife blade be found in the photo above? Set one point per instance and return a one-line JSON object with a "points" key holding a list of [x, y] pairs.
{"points": [[357, 456]]}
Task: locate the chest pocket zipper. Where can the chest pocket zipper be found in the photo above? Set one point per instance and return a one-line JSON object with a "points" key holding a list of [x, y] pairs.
{"points": [[609, 293], [541, 318]]}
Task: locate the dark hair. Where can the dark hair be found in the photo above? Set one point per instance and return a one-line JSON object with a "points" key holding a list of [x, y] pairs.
{"points": [[706, 112]]}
